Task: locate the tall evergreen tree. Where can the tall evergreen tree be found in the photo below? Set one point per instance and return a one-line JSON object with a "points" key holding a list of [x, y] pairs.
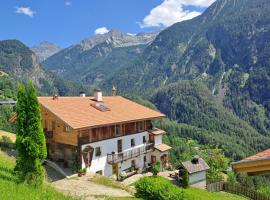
{"points": [[31, 141]]}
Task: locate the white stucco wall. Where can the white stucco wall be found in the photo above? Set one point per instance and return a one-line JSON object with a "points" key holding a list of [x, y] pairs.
{"points": [[109, 146], [158, 139], [197, 177]]}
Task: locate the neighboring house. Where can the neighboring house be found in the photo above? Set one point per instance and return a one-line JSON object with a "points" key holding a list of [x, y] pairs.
{"points": [[197, 169], [258, 164], [106, 135]]}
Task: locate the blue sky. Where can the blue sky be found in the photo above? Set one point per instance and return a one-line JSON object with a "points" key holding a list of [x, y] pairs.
{"points": [[65, 22]]}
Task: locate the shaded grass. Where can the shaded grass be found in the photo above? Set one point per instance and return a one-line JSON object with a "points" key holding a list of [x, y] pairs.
{"points": [[102, 180], [10, 189]]}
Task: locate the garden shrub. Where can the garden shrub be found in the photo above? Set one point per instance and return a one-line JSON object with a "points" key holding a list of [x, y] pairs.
{"points": [[185, 180], [157, 188], [155, 168]]}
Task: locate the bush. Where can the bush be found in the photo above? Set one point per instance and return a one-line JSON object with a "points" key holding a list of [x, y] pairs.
{"points": [[155, 168], [185, 176], [265, 190], [157, 188], [232, 178]]}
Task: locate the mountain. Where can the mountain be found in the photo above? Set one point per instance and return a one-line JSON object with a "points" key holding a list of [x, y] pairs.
{"points": [[44, 50], [202, 116], [19, 63], [93, 59], [226, 49]]}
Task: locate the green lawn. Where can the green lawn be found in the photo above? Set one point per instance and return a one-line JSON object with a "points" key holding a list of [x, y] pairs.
{"points": [[11, 190], [198, 194], [102, 180]]}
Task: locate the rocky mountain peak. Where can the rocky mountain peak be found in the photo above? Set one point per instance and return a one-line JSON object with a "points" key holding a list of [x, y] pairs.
{"points": [[118, 39], [45, 49]]}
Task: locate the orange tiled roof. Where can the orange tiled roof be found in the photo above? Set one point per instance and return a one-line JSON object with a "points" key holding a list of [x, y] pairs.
{"points": [[78, 113], [261, 155], [157, 131], [163, 147]]}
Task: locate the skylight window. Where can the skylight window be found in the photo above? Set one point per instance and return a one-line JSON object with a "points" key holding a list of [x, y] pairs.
{"points": [[100, 107]]}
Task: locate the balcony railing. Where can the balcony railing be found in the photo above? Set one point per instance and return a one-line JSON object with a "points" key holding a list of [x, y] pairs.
{"points": [[125, 155]]}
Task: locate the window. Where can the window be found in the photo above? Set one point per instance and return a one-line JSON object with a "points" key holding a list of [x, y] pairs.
{"points": [[66, 128], [97, 151], [53, 125], [94, 135], [46, 124], [117, 130], [100, 172], [140, 126], [144, 139], [132, 141], [144, 159], [133, 163]]}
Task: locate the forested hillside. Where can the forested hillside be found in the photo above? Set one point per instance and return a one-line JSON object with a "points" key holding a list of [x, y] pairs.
{"points": [[203, 118], [17, 61]]}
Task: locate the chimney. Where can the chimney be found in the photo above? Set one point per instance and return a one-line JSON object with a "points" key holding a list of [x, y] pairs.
{"points": [[55, 97], [113, 90], [195, 160], [98, 95], [82, 94]]}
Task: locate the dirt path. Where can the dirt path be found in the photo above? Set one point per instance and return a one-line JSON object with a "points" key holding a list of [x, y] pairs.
{"points": [[87, 190], [12, 136]]}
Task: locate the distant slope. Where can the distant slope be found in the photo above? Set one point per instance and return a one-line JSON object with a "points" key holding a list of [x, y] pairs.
{"points": [[95, 58], [20, 64], [203, 118], [44, 50]]}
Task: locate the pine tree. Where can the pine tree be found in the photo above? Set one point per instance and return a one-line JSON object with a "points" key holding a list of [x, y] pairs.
{"points": [[31, 141], [21, 107]]}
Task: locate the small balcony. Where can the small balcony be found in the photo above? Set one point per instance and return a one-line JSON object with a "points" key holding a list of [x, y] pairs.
{"points": [[125, 155]]}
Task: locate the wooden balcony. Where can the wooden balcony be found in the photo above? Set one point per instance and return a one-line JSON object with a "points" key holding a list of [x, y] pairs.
{"points": [[84, 140], [129, 154]]}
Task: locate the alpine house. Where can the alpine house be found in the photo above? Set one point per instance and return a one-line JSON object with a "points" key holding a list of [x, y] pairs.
{"points": [[108, 135]]}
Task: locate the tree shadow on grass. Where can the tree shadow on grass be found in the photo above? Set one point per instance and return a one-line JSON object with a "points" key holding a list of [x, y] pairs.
{"points": [[8, 177], [6, 170]]}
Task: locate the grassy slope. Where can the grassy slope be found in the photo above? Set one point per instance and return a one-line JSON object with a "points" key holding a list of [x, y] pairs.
{"points": [[197, 194], [11, 190]]}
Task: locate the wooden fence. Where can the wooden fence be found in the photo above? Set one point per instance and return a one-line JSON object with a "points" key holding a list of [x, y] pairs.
{"points": [[236, 189]]}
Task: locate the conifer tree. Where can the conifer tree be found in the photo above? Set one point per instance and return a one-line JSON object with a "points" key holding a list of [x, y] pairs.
{"points": [[31, 141]]}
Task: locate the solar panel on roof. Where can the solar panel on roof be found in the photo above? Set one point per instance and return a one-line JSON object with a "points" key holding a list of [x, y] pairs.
{"points": [[100, 106]]}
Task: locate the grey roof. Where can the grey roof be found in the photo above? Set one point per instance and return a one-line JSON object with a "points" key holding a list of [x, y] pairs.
{"points": [[193, 168], [7, 102]]}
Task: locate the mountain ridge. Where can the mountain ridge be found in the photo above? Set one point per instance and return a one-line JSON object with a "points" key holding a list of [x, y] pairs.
{"points": [[45, 49]]}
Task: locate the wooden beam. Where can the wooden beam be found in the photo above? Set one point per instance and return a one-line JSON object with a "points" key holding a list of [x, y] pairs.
{"points": [[258, 168]]}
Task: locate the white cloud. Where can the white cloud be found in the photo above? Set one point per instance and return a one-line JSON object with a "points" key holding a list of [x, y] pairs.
{"points": [[67, 3], [131, 34], [25, 10], [101, 30], [172, 11]]}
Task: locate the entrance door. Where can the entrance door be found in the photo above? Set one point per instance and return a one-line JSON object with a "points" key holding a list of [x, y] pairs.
{"points": [[119, 146], [151, 138], [115, 169], [153, 159]]}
